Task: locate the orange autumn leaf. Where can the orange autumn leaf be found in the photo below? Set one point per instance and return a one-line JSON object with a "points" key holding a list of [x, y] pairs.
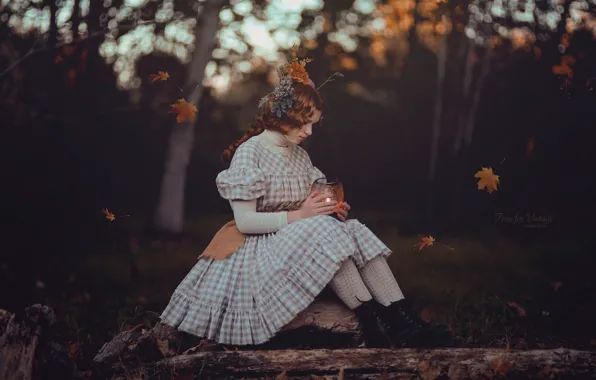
{"points": [[488, 179], [109, 215], [424, 242], [161, 75], [184, 110]]}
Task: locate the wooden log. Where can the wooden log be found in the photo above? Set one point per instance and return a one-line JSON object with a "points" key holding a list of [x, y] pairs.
{"points": [[22, 343], [453, 363], [325, 323]]}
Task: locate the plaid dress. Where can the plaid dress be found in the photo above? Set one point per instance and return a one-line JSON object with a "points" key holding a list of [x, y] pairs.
{"points": [[248, 297]]}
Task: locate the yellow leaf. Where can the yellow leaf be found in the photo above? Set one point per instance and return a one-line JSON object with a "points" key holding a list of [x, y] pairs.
{"points": [[424, 242], [109, 216], [184, 110], [161, 75], [488, 179]]}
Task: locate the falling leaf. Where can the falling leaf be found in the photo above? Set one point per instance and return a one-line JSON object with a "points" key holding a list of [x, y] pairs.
{"points": [[109, 216], [488, 179], [340, 375], [282, 376], [424, 242], [184, 110], [161, 75], [58, 60], [556, 285]]}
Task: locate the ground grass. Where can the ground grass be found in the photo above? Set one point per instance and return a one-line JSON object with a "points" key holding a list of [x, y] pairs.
{"points": [[492, 291]]}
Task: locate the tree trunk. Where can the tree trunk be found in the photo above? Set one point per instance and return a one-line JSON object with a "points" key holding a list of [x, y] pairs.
{"points": [[436, 127], [452, 363], [169, 216], [16, 356], [466, 85], [486, 60], [25, 350], [325, 323]]}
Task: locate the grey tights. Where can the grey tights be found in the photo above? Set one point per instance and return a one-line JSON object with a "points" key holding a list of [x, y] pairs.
{"points": [[374, 280]]}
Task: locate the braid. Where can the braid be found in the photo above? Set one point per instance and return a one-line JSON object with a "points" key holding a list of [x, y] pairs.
{"points": [[256, 129]]}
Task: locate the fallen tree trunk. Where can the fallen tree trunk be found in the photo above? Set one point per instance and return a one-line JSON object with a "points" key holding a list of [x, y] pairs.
{"points": [[454, 363], [324, 324], [24, 351]]}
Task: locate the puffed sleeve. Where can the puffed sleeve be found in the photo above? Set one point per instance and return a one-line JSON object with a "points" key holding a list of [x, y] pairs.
{"points": [[244, 179], [315, 174]]}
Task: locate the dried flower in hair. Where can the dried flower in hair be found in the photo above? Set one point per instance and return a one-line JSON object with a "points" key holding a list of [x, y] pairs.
{"points": [[298, 72]]}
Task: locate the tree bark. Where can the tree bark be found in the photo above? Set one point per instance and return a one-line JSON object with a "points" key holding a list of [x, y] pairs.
{"points": [[23, 343], [325, 323], [453, 363], [169, 216], [485, 70]]}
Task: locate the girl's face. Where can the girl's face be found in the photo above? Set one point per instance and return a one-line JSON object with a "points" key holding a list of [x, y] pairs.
{"points": [[297, 136]]}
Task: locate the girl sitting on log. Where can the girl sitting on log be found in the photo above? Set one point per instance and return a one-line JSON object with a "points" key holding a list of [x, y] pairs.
{"points": [[283, 247]]}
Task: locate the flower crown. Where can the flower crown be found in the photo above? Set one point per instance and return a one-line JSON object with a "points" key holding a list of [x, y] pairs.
{"points": [[281, 98]]}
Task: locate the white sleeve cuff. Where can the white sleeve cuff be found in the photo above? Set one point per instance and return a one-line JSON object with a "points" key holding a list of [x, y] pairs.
{"points": [[249, 221]]}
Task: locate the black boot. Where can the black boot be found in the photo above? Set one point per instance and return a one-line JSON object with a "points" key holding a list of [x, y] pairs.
{"points": [[370, 324], [407, 329]]}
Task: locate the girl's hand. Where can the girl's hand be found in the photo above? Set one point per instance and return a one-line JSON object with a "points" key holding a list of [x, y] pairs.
{"points": [[315, 205], [342, 210]]}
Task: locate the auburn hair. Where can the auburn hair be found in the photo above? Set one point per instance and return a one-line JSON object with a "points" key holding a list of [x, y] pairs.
{"points": [[306, 100]]}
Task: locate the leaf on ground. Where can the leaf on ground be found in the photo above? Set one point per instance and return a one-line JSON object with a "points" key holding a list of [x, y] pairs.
{"points": [[164, 347], [184, 110], [161, 75], [424, 242], [109, 215], [488, 179]]}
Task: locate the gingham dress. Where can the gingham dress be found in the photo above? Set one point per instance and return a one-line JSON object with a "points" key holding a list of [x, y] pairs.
{"points": [[248, 297]]}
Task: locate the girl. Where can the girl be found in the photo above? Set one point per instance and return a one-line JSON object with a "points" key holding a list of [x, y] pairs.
{"points": [[282, 248]]}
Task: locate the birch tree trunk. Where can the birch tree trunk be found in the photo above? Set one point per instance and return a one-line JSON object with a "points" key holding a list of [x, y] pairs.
{"points": [[467, 84], [436, 128], [169, 215], [438, 109], [486, 63]]}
